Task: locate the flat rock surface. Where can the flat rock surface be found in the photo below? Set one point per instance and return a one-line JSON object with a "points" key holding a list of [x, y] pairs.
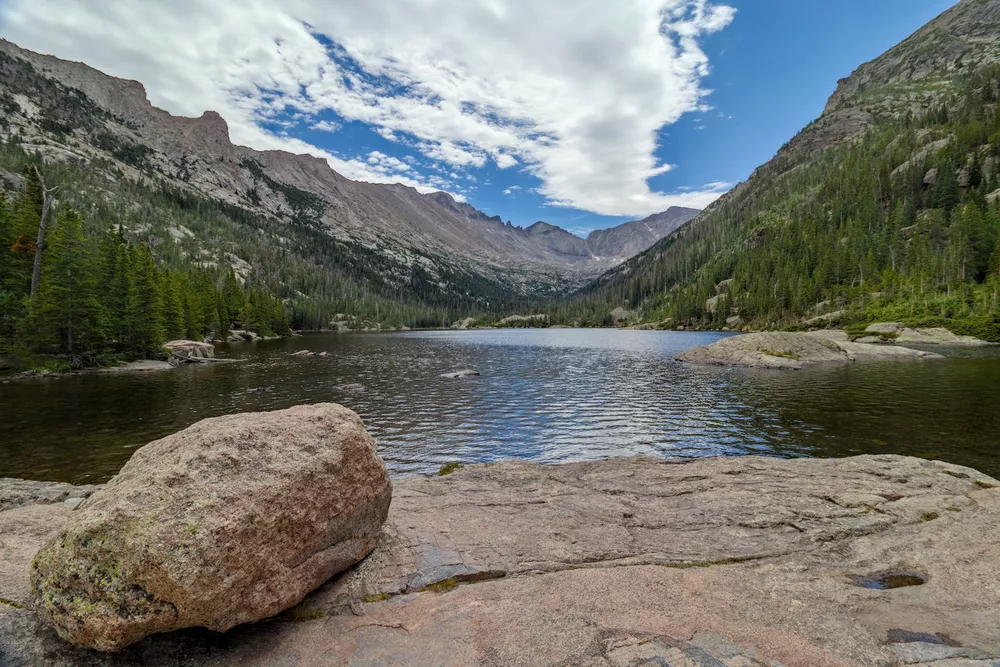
{"points": [[739, 561], [784, 350]]}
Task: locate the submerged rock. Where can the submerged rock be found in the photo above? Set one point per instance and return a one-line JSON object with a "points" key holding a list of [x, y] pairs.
{"points": [[140, 366], [454, 375], [793, 351], [229, 521]]}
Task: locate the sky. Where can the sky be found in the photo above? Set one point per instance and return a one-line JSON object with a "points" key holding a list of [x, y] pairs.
{"points": [[582, 113]]}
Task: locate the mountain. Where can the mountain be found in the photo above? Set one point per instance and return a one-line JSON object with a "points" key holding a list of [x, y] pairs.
{"points": [[631, 238], [387, 240], [887, 207], [608, 247]]}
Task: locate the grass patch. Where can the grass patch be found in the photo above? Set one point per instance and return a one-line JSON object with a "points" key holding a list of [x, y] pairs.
{"points": [[377, 597], [689, 564], [983, 485], [782, 355], [449, 468], [301, 615], [929, 516], [11, 603], [442, 586]]}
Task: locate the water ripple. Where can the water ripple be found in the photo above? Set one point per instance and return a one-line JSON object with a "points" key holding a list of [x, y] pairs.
{"points": [[544, 395]]}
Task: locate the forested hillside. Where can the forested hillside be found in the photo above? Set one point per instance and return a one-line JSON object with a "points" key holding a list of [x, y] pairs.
{"points": [[129, 264], [98, 297], [887, 208]]}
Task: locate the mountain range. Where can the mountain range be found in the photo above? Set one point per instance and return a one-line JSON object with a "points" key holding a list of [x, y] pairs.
{"points": [[70, 113], [886, 207]]}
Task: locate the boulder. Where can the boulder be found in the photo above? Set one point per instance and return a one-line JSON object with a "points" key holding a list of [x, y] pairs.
{"points": [[724, 286], [793, 351], [885, 328], [463, 324], [302, 353], [190, 350], [712, 304], [229, 521], [620, 315], [828, 318], [735, 322], [993, 197]]}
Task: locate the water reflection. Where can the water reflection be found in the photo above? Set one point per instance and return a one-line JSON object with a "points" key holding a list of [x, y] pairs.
{"points": [[544, 395]]}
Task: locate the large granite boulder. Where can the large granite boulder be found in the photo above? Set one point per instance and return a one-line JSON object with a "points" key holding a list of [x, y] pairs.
{"points": [[229, 521]]}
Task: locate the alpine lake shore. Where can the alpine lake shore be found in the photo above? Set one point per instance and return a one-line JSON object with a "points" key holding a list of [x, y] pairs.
{"points": [[277, 538]]}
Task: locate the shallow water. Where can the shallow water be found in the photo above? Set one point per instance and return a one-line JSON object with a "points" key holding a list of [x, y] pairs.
{"points": [[544, 395]]}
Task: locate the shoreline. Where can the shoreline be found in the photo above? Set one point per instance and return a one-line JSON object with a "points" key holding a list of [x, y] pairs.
{"points": [[551, 563]]}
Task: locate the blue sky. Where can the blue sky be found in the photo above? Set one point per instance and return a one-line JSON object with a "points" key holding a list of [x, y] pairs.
{"points": [[773, 69], [583, 113]]}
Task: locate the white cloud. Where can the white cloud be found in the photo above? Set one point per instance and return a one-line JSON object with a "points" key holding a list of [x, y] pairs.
{"points": [[325, 126], [575, 91]]}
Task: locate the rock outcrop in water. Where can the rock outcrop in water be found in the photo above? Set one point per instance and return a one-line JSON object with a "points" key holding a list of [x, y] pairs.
{"points": [[900, 333], [736, 561], [190, 351], [793, 351], [229, 521]]}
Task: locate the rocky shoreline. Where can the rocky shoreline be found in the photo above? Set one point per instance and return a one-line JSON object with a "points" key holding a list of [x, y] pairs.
{"points": [[733, 561]]}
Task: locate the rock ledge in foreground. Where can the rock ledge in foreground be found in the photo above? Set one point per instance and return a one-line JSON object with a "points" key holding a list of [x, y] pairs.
{"points": [[745, 561], [229, 521]]}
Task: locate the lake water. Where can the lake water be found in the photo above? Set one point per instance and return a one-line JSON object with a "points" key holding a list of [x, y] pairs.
{"points": [[544, 395]]}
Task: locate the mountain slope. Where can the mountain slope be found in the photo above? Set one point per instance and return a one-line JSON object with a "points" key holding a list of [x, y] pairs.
{"points": [[884, 207], [429, 244]]}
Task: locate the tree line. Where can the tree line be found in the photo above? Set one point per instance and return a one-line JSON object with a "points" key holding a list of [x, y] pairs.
{"points": [[74, 295]]}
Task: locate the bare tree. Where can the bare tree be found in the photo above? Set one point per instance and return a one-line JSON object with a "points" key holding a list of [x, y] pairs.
{"points": [[36, 272]]}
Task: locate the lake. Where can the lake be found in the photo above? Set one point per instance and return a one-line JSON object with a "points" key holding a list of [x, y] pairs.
{"points": [[544, 395]]}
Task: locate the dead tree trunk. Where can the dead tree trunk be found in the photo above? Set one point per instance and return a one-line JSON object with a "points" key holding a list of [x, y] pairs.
{"points": [[36, 272]]}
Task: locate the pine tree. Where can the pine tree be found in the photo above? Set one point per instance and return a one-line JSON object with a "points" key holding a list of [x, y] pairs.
{"points": [[172, 312], [143, 310], [115, 262], [66, 313]]}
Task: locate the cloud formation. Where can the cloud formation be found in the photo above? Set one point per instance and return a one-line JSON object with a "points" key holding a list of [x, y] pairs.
{"points": [[572, 91]]}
